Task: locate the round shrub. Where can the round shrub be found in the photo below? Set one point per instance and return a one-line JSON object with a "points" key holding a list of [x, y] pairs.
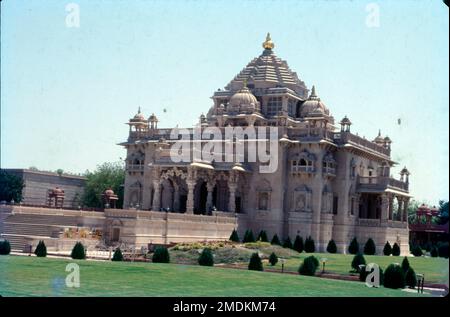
{"points": [[417, 250], [411, 278], [263, 236], [353, 248], [443, 250], [5, 247], [206, 258], [309, 266], [298, 244], [387, 250], [309, 245], [234, 236], [249, 237], [394, 277], [287, 243], [358, 260], [405, 264], [41, 250], [255, 263], [396, 250], [273, 259], [275, 240], [331, 247], [434, 252], [161, 255], [117, 256], [369, 247], [78, 252]]}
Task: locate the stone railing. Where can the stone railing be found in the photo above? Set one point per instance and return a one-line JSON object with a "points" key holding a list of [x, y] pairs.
{"points": [[369, 222], [135, 167], [381, 183], [347, 137]]}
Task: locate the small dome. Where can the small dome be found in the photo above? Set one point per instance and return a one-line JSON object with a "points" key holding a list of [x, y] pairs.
{"points": [[313, 106], [57, 190], [345, 120], [243, 97], [153, 118], [139, 117], [387, 140], [379, 139], [404, 171], [109, 192]]}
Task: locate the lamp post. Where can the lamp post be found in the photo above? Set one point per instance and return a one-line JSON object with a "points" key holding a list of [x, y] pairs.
{"points": [[282, 260], [323, 260]]}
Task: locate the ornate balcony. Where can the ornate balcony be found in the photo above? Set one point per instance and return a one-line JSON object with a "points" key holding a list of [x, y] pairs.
{"points": [[135, 167], [380, 184]]}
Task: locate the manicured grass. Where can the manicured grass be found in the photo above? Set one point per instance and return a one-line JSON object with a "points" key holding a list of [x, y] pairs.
{"points": [[435, 269], [32, 276]]}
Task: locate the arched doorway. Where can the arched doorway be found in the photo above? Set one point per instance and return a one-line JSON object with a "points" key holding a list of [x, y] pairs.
{"points": [[201, 195], [167, 194]]}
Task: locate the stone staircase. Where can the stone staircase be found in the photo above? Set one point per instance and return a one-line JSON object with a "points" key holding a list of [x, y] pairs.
{"points": [[20, 228]]}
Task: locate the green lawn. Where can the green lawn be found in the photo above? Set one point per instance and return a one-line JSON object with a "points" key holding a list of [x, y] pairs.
{"points": [[31, 276], [435, 269]]}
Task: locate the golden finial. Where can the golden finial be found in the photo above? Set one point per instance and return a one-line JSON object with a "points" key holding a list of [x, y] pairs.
{"points": [[268, 44]]}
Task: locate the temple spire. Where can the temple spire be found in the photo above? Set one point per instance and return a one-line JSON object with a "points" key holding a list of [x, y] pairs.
{"points": [[268, 44], [313, 92]]}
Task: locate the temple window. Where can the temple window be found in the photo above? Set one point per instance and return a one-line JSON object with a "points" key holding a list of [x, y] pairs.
{"points": [[274, 106], [263, 195], [302, 162], [291, 107]]}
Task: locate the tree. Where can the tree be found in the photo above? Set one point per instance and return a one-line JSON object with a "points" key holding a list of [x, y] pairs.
{"points": [[11, 187], [309, 266], [248, 236], [443, 212], [206, 258], [434, 252], [161, 255], [117, 256], [41, 249], [443, 249], [411, 278], [275, 240], [396, 250], [273, 259], [255, 263], [234, 236], [287, 243], [331, 247], [405, 264], [5, 247], [387, 250], [107, 175], [417, 250], [309, 245], [78, 252], [358, 260], [369, 247], [298, 244], [263, 236], [394, 277], [353, 248]]}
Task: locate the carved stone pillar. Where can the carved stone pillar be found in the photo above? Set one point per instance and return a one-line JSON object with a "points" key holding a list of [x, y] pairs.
{"points": [[391, 206], [405, 209], [384, 207], [400, 209], [156, 205], [209, 198], [232, 201], [190, 197], [176, 198]]}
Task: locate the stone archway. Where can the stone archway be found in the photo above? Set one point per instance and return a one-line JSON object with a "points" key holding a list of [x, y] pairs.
{"points": [[200, 197], [167, 191]]}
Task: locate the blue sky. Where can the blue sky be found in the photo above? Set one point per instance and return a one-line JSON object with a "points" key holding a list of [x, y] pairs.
{"points": [[67, 92]]}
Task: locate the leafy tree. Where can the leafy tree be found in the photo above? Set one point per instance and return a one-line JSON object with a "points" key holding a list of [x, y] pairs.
{"points": [[59, 171], [206, 258], [369, 247], [107, 175], [11, 187], [287, 243], [255, 263], [117, 256], [411, 278], [353, 248], [405, 264], [443, 212], [309, 266], [248, 236], [161, 255], [443, 250], [273, 259], [434, 252], [234, 236], [41, 249], [263, 236], [396, 250], [5, 247], [78, 252], [394, 277], [331, 247], [387, 250], [275, 240], [358, 260], [417, 250], [298, 244], [309, 245]]}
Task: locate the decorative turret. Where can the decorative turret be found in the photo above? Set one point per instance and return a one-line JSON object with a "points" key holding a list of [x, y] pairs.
{"points": [[153, 120], [138, 122], [345, 124], [379, 139], [313, 106], [404, 175], [387, 143]]}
